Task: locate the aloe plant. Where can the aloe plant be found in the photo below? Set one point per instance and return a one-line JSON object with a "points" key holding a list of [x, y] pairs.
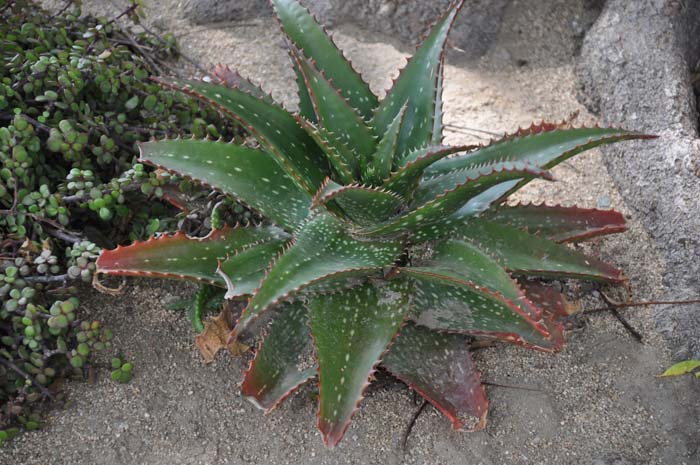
{"points": [[383, 247]]}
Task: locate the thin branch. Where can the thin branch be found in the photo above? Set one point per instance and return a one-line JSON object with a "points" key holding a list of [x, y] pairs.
{"points": [[613, 309], [84, 198], [619, 305], [37, 124], [510, 386], [126, 12], [635, 334], [144, 53], [62, 10], [182, 55], [63, 278], [8, 5], [45, 392], [411, 423], [59, 232]]}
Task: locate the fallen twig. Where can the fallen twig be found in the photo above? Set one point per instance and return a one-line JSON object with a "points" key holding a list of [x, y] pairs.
{"points": [[411, 423], [45, 392]]}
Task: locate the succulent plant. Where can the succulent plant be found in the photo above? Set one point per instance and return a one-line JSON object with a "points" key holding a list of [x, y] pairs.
{"points": [[382, 246]]}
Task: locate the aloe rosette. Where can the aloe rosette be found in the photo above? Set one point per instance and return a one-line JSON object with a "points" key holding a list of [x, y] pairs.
{"points": [[382, 246]]}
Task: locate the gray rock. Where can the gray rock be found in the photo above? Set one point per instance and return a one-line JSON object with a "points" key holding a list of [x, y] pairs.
{"points": [[213, 11], [474, 31], [611, 460], [635, 71]]}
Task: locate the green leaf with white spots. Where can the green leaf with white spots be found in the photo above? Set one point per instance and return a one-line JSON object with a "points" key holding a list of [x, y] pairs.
{"points": [[438, 127], [418, 85], [307, 35], [283, 362], [306, 106], [544, 146], [323, 248], [243, 271], [182, 257], [461, 289], [351, 331], [440, 368], [432, 214], [335, 115], [360, 204], [405, 179], [250, 175], [341, 157], [385, 154], [276, 130], [528, 255]]}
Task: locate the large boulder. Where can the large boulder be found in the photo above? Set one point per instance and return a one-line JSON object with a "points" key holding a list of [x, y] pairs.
{"points": [[407, 20], [636, 69]]}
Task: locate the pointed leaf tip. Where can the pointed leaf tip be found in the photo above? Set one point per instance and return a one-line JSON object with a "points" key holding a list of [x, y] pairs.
{"points": [[351, 331]]}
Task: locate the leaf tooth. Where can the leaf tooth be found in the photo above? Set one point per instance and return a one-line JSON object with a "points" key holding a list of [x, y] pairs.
{"points": [[316, 200], [335, 193], [336, 159], [322, 72], [235, 80], [430, 153], [437, 101]]}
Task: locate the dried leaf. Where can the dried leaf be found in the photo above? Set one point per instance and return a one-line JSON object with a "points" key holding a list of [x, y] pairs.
{"points": [[213, 338]]}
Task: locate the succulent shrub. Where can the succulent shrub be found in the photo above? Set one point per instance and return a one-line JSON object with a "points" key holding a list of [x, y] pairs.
{"points": [[73, 101], [381, 246]]}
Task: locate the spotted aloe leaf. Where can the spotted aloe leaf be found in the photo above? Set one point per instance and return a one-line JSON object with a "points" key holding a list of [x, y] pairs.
{"points": [[362, 205], [276, 130], [351, 331], [335, 115], [250, 175], [182, 257], [341, 158], [440, 368], [323, 248], [405, 179], [561, 224], [545, 297], [553, 308], [243, 271], [284, 360], [529, 255], [545, 146], [385, 154], [308, 36], [434, 211], [461, 289], [418, 85], [438, 127]]}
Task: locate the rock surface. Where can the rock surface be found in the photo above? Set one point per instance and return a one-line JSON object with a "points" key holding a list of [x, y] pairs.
{"points": [[481, 25], [635, 72]]}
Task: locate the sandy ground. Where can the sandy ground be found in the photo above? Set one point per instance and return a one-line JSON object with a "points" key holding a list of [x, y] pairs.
{"points": [[598, 402]]}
